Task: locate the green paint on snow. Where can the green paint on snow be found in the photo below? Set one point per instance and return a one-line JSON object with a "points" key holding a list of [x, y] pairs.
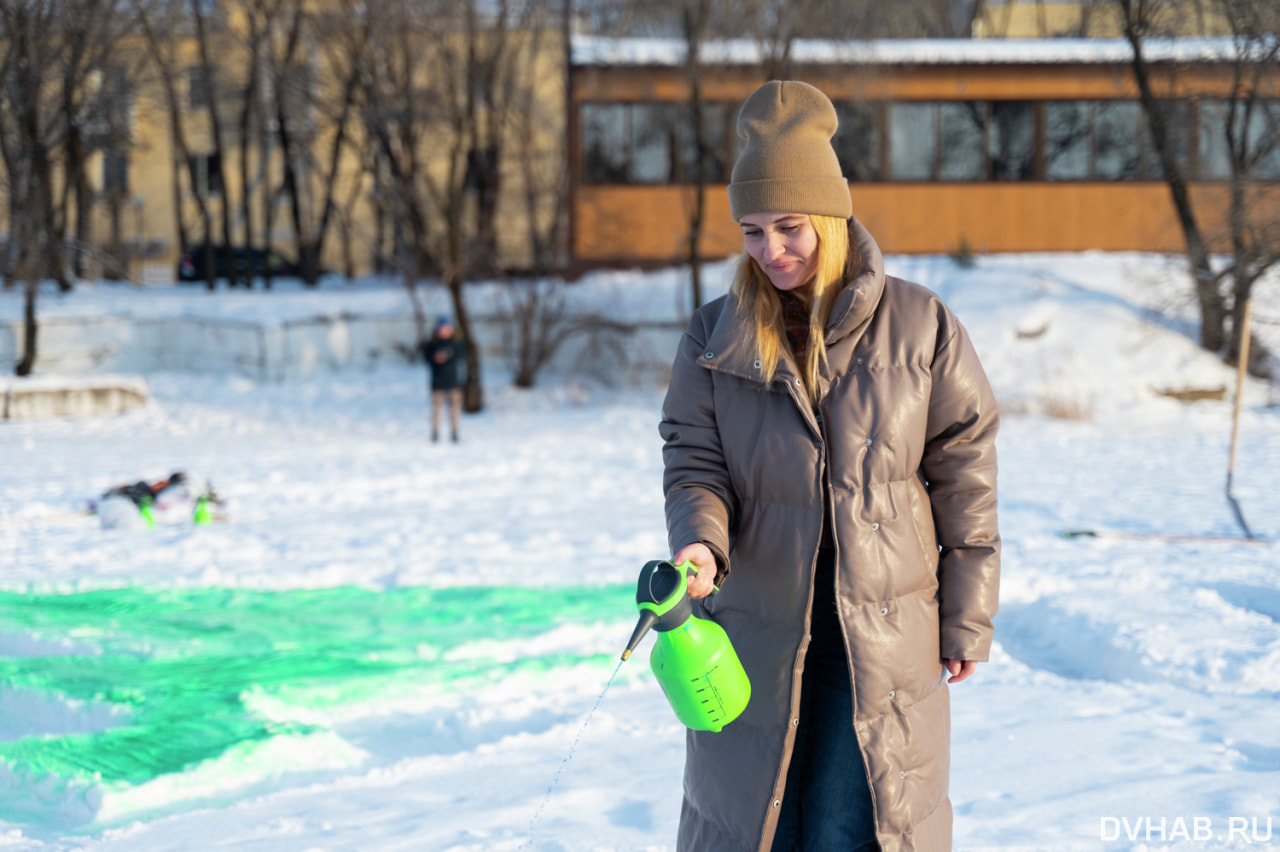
{"points": [[184, 669]]}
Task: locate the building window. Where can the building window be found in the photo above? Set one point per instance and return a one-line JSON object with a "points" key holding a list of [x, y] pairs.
{"points": [[117, 99], [857, 140], [296, 86], [605, 132], [938, 141], [1068, 140], [1118, 131], [913, 141], [206, 176], [115, 172], [1212, 153], [482, 169], [1013, 140], [961, 154], [715, 131], [942, 141], [1262, 139], [1109, 140], [1178, 115], [199, 87], [652, 143]]}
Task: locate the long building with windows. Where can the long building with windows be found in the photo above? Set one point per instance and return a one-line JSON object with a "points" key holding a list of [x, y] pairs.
{"points": [[949, 146]]}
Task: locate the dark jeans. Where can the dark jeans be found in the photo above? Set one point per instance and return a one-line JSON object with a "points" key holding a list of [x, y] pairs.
{"points": [[827, 803]]}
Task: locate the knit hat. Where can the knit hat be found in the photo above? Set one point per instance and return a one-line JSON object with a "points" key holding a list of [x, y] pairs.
{"points": [[787, 164]]}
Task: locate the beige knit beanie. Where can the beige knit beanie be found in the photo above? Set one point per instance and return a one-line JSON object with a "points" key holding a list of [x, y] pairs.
{"points": [[787, 164]]}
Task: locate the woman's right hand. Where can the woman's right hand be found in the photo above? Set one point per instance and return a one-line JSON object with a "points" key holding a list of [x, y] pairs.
{"points": [[705, 562]]}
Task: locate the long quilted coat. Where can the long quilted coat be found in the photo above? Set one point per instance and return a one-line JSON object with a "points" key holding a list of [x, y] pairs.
{"points": [[904, 440]]}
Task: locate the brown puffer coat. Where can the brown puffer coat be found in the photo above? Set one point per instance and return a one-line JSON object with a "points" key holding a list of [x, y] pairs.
{"points": [[905, 440]]}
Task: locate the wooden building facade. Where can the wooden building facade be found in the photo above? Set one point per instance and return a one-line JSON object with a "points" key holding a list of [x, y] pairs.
{"points": [[949, 146]]}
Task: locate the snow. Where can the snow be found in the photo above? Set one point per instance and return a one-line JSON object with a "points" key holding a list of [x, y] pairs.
{"points": [[609, 51], [394, 644], [100, 381]]}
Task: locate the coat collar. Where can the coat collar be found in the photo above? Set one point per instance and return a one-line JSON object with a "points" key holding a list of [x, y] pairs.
{"points": [[731, 344]]}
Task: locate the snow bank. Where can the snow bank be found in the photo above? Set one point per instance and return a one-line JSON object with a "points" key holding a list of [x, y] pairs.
{"points": [[45, 397], [1051, 328]]}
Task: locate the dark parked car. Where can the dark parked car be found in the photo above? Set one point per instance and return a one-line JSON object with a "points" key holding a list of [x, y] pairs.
{"points": [[192, 265]]}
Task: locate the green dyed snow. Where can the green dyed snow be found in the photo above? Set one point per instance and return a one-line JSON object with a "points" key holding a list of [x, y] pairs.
{"points": [[181, 662]]}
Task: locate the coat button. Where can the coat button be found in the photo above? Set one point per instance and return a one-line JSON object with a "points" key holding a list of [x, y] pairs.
{"points": [[777, 803], [798, 380], [859, 360], [867, 442], [708, 355], [893, 693], [757, 365], [795, 723], [875, 526], [902, 775], [884, 610]]}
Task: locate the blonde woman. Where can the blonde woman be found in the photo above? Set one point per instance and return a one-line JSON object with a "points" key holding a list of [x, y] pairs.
{"points": [[830, 464]]}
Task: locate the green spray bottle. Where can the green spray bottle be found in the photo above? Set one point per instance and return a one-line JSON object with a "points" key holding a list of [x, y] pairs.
{"points": [[694, 661]]}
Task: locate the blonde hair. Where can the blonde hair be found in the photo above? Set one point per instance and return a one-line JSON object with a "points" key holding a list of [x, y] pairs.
{"points": [[759, 298]]}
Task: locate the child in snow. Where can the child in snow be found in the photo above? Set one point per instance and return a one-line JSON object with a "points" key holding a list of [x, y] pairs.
{"points": [[445, 357]]}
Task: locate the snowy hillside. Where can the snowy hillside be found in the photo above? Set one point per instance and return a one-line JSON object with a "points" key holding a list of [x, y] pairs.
{"points": [[394, 645]]}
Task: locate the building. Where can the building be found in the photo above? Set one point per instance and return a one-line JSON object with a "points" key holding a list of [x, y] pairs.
{"points": [[949, 146]]}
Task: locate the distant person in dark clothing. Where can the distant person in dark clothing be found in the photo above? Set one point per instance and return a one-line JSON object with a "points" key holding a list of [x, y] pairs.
{"points": [[446, 358]]}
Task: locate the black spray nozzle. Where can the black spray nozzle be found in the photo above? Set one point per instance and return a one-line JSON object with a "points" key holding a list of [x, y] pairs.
{"points": [[663, 600], [647, 618]]}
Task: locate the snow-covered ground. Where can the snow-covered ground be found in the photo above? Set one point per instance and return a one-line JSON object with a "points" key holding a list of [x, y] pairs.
{"points": [[395, 645]]}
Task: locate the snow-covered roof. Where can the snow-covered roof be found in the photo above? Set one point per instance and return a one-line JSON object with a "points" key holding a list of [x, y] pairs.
{"points": [[603, 50]]}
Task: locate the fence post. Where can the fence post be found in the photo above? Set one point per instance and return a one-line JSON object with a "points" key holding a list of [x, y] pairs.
{"points": [[1241, 371]]}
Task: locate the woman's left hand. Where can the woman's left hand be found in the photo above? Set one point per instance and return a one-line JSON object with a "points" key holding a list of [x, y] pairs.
{"points": [[960, 669]]}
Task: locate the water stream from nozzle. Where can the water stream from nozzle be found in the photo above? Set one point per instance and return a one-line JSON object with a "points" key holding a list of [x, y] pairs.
{"points": [[556, 779]]}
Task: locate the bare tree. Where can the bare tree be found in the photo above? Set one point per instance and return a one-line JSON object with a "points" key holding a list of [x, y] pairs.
{"points": [[533, 310], [443, 82], [211, 96], [50, 52], [695, 20], [110, 130], [537, 323], [1139, 20], [32, 130], [161, 24], [1246, 123], [538, 128], [1250, 127], [395, 123], [317, 101], [167, 28], [259, 20]]}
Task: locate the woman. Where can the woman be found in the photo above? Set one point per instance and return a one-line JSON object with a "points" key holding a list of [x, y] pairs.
{"points": [[830, 463]]}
